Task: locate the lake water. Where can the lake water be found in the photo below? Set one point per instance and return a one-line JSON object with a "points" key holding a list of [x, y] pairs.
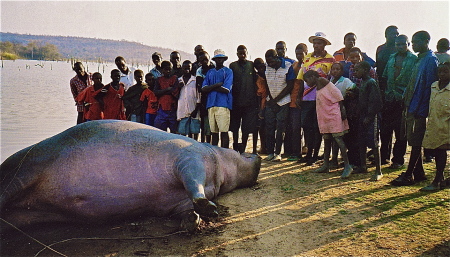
{"points": [[36, 101]]}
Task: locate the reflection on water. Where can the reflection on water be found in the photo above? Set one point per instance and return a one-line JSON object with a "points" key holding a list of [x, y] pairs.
{"points": [[36, 101]]}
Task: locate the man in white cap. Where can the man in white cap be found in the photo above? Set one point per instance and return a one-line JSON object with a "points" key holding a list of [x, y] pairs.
{"points": [[320, 61], [217, 84]]}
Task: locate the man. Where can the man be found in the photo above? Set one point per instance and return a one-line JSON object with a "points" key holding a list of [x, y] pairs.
{"points": [[397, 73], [417, 101], [175, 59], [383, 53], [321, 61], [197, 51], [126, 73], [280, 80], [344, 53], [77, 84], [157, 60], [281, 49], [244, 115]]}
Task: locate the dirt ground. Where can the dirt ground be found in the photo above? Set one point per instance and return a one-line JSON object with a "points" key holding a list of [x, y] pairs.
{"points": [[290, 212]]}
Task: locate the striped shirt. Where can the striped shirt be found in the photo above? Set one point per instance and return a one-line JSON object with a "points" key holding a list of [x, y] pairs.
{"points": [[277, 80]]}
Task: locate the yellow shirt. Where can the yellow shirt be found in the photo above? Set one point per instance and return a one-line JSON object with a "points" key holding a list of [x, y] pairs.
{"points": [[437, 134], [320, 64]]}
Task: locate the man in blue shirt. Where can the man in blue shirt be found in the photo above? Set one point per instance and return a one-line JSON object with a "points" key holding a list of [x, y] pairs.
{"points": [[217, 84], [417, 102]]}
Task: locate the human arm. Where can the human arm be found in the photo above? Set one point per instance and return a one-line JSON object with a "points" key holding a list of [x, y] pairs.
{"points": [[343, 111], [300, 92]]}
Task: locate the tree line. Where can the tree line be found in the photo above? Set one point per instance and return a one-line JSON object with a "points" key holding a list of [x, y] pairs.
{"points": [[33, 50]]}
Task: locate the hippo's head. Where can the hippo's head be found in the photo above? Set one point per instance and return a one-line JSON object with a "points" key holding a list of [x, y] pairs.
{"points": [[248, 170]]}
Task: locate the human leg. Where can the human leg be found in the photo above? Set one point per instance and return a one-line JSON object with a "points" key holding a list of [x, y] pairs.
{"points": [[325, 168], [441, 159], [270, 121]]}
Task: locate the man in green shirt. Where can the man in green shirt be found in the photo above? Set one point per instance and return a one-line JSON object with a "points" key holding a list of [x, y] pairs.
{"points": [[397, 74]]}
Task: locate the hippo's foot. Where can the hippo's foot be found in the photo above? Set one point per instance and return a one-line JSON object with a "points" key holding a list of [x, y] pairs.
{"points": [[205, 207], [190, 222]]}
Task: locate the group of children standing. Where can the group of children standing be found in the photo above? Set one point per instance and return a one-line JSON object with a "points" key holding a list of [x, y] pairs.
{"points": [[338, 98]]}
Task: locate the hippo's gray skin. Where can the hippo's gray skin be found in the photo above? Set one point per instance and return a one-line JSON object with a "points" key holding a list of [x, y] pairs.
{"points": [[107, 170]]}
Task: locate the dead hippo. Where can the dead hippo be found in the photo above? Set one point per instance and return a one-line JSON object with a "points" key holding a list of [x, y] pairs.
{"points": [[107, 170]]}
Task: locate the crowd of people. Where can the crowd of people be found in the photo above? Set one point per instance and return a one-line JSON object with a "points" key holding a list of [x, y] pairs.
{"points": [[347, 100]]}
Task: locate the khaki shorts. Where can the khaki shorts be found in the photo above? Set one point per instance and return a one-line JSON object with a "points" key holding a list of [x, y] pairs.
{"points": [[219, 119], [415, 129]]}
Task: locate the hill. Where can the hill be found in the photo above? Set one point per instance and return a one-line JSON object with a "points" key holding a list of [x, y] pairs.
{"points": [[93, 48]]}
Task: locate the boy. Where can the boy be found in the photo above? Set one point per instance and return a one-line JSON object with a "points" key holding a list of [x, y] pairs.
{"points": [[112, 94], [443, 46], [397, 74], [416, 106], [217, 85], [354, 58], [157, 70], [280, 80], [126, 74], [188, 103], [150, 100], [167, 90], [244, 115], [79, 83], [369, 104], [93, 108], [175, 59], [205, 66], [131, 98], [261, 84]]}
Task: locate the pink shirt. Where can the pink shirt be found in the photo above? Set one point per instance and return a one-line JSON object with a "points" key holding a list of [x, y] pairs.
{"points": [[328, 110]]}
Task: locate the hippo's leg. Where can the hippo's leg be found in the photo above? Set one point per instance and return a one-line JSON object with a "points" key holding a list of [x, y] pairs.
{"points": [[193, 175]]}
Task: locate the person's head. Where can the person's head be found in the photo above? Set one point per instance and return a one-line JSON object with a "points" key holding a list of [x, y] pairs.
{"points": [[444, 72], [319, 42], [78, 67], [350, 40], [97, 78], [259, 65], [115, 75], [355, 55], [401, 44], [280, 47], [120, 63], [186, 67], [198, 49], [175, 58], [420, 41], [166, 67], [204, 59], [362, 69], [219, 57], [272, 58], [138, 76], [311, 77], [443, 45], [150, 79], [157, 59], [390, 33], [337, 70], [301, 50], [241, 52]]}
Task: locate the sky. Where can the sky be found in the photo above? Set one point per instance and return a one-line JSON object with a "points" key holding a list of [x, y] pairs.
{"points": [[181, 25]]}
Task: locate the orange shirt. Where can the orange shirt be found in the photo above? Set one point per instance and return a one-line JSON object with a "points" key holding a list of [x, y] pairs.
{"points": [[296, 66], [87, 99], [114, 108], [261, 83], [152, 101]]}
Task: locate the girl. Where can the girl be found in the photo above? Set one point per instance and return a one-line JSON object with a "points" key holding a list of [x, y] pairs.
{"points": [[331, 118], [437, 135]]}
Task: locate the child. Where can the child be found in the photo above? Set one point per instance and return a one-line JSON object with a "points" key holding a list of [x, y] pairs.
{"points": [[157, 70], [112, 95], [217, 85], [437, 135], [205, 66], [150, 100], [188, 103], [342, 83], [261, 83], [131, 98], [355, 58], [93, 108], [167, 90], [369, 106], [331, 118]]}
